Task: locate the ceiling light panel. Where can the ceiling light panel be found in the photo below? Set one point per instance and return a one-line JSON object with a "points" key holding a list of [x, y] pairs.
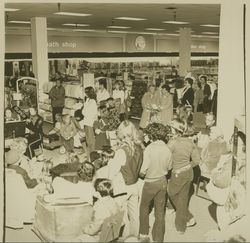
{"points": [[210, 33], [81, 25], [18, 22], [154, 29], [73, 14], [118, 27], [85, 30], [175, 22], [210, 25], [131, 18], [11, 9]]}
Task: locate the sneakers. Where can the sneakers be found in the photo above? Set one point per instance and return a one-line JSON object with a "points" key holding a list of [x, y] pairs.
{"points": [[180, 232], [191, 222], [144, 238]]}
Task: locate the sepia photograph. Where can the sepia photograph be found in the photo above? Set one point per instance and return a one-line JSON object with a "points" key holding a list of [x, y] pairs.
{"points": [[124, 121]]}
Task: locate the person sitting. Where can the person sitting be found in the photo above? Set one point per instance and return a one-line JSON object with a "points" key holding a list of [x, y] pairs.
{"points": [[13, 161], [82, 189], [35, 126], [210, 154], [104, 207]]}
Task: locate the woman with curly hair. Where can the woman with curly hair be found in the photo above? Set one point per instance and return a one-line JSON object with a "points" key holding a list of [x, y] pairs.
{"points": [[124, 171], [155, 167]]}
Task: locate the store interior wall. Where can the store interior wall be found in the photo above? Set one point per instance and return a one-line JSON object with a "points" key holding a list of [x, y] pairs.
{"points": [[16, 43]]}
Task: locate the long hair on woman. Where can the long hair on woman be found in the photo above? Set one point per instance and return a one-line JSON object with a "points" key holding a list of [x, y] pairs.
{"points": [[127, 134]]}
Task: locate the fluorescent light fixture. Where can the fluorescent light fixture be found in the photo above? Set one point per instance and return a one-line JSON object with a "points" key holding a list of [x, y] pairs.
{"points": [[130, 18], [81, 25], [205, 36], [118, 27], [18, 22], [72, 14], [154, 29], [175, 22], [171, 34], [178, 31], [84, 30], [118, 31], [146, 33], [210, 25], [11, 9], [51, 29], [210, 33]]}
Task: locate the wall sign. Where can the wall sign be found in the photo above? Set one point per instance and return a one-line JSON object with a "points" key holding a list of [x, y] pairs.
{"points": [[140, 43]]}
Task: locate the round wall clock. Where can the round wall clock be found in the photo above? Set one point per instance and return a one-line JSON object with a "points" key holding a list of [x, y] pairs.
{"points": [[140, 43]]}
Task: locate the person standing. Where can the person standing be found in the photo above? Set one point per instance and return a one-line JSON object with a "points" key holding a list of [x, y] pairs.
{"points": [[166, 103], [185, 155], [198, 98], [149, 101], [102, 93], [187, 97], [206, 94], [155, 167], [90, 114], [124, 171], [57, 96], [118, 93]]}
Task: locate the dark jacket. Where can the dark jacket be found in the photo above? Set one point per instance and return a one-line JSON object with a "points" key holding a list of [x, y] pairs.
{"points": [[57, 96], [188, 97], [130, 171]]}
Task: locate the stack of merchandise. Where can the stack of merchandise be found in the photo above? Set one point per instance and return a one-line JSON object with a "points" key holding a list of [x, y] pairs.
{"points": [[139, 88]]}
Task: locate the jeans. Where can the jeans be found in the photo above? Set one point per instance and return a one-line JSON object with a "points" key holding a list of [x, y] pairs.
{"points": [[179, 187], [156, 192], [56, 110], [90, 138]]}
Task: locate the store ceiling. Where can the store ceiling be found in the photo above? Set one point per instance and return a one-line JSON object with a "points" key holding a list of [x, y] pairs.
{"points": [[103, 15]]}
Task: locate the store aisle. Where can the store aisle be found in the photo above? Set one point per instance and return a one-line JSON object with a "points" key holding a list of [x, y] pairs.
{"points": [[198, 206]]}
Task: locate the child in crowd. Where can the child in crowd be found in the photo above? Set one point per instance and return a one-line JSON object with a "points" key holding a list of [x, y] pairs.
{"points": [[67, 132], [104, 207], [156, 164], [185, 155], [100, 128]]}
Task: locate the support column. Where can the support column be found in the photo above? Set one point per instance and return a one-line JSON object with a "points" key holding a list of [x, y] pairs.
{"points": [[184, 51], [231, 93], [39, 48]]}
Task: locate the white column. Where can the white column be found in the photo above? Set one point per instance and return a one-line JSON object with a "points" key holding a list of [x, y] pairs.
{"points": [[184, 51], [247, 28], [39, 47], [231, 66], [2, 41]]}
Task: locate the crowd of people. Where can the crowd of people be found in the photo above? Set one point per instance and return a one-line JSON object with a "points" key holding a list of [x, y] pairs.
{"points": [[152, 164]]}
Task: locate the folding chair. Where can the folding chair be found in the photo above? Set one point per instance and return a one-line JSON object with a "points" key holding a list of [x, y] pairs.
{"points": [[111, 227], [202, 178], [40, 141]]}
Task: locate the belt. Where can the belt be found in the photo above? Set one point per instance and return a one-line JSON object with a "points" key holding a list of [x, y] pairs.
{"points": [[178, 171]]}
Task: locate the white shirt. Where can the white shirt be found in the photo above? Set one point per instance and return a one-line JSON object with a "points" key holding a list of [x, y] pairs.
{"points": [[90, 112], [102, 95], [67, 189], [119, 94], [157, 160]]}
